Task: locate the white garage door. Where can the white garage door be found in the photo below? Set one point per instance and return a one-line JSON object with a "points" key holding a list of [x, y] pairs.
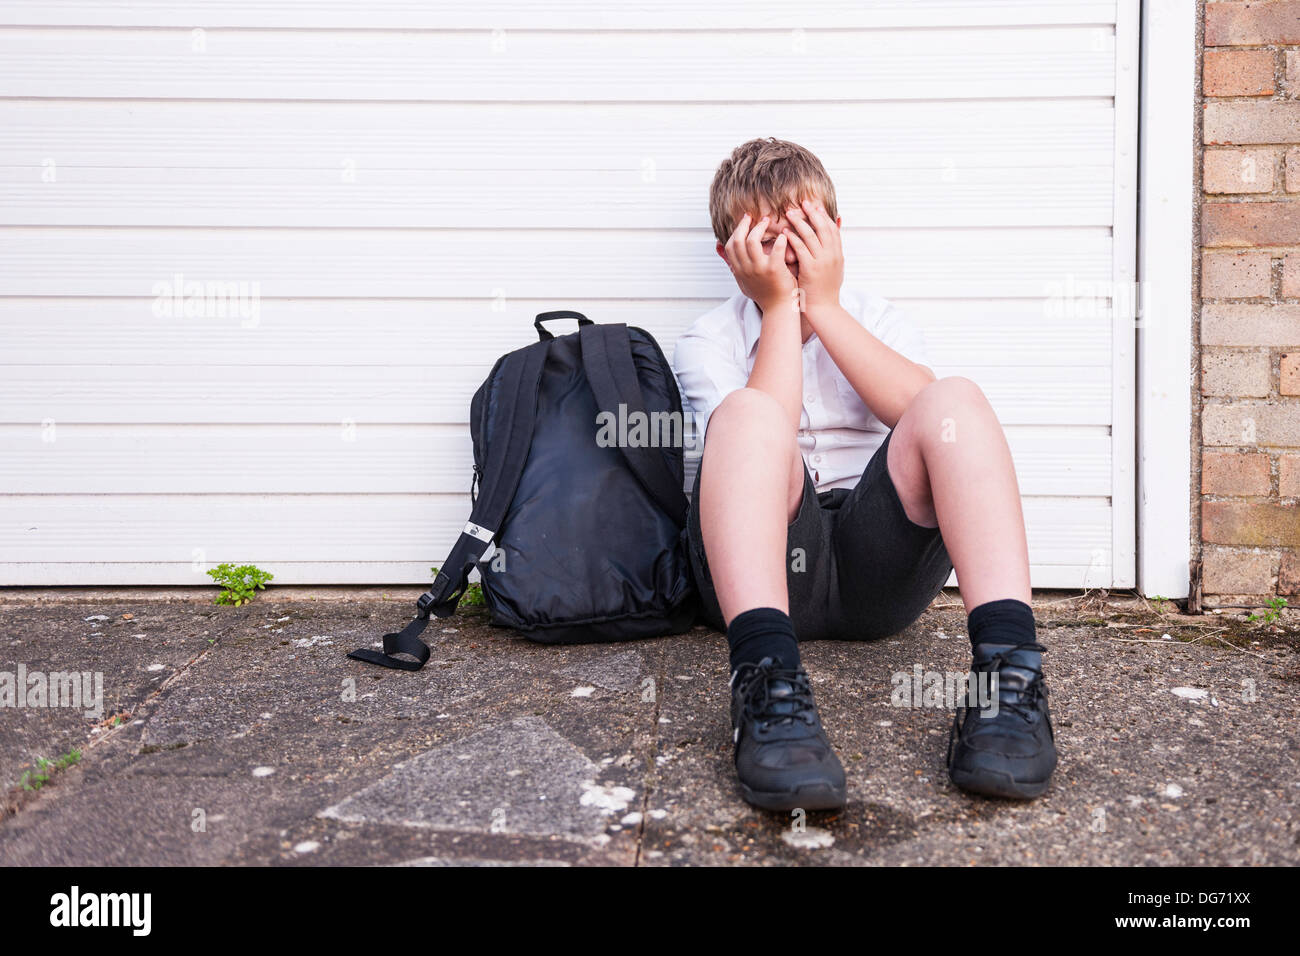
{"points": [[398, 188]]}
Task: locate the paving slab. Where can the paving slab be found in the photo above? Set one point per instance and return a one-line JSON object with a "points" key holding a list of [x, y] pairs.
{"points": [[527, 778]]}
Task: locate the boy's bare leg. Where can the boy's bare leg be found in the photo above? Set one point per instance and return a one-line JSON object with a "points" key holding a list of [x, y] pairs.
{"points": [[750, 489], [952, 468], [949, 461]]}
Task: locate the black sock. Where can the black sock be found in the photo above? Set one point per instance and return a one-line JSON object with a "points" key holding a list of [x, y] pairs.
{"points": [[1007, 622], [762, 632]]}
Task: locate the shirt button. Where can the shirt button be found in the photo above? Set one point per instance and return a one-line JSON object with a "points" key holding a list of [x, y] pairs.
{"points": [[811, 399], [817, 458]]}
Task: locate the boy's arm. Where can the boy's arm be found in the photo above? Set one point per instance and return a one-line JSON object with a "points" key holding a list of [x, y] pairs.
{"points": [[885, 380], [778, 367], [765, 278]]}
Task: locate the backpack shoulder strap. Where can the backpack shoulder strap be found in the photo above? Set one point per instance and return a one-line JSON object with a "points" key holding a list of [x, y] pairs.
{"points": [[517, 382], [607, 360]]}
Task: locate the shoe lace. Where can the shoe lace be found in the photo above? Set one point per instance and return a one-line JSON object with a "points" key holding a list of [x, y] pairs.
{"points": [[761, 704], [1024, 702]]}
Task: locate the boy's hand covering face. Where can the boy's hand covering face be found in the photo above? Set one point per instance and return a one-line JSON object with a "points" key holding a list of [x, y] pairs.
{"points": [[815, 238], [761, 276]]}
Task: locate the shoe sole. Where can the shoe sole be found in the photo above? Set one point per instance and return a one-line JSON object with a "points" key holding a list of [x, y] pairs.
{"points": [[989, 783], [814, 796]]}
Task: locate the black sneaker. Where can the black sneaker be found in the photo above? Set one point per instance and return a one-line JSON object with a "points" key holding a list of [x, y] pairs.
{"points": [[783, 758], [1012, 753]]}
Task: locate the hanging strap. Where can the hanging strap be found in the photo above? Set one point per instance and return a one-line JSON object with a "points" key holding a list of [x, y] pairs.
{"points": [[516, 386], [607, 360]]}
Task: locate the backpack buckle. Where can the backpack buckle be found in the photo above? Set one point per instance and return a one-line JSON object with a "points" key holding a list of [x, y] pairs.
{"points": [[423, 604]]}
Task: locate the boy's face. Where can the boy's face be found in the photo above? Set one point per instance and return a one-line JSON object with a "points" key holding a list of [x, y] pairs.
{"points": [[774, 227]]}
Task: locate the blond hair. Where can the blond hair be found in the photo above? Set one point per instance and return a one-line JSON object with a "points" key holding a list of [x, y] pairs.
{"points": [[769, 169]]}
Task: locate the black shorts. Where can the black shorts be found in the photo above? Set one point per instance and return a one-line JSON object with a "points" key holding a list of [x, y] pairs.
{"points": [[857, 567]]}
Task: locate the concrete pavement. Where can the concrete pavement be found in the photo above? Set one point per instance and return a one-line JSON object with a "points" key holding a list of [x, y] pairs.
{"points": [[245, 736]]}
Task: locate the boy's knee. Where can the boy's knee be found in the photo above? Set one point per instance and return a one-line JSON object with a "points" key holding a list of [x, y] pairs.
{"points": [[750, 407], [941, 400], [950, 390]]}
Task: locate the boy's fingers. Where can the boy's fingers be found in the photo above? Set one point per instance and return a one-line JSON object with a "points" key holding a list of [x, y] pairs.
{"points": [[823, 223], [800, 250], [754, 244], [806, 232], [737, 257], [827, 229], [821, 219], [779, 247]]}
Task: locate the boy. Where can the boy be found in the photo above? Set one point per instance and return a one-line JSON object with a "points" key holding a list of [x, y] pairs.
{"points": [[840, 483]]}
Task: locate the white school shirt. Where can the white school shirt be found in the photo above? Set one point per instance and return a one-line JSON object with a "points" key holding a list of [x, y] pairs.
{"points": [[838, 434]]}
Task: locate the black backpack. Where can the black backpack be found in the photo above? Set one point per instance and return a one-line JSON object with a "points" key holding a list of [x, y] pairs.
{"points": [[590, 533]]}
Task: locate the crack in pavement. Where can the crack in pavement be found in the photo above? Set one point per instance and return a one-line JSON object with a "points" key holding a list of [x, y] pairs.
{"points": [[662, 677]]}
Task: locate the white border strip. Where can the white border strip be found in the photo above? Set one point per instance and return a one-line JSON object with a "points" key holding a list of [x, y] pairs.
{"points": [[1123, 499], [1166, 247]]}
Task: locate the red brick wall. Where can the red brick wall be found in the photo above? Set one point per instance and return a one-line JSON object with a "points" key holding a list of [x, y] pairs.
{"points": [[1250, 299]]}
